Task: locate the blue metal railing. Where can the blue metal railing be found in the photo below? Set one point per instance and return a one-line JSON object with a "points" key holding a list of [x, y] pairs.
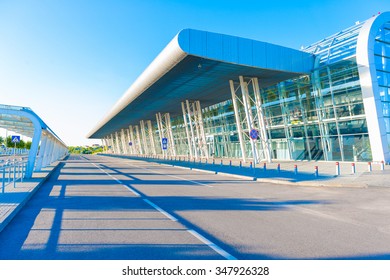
{"points": [[11, 171]]}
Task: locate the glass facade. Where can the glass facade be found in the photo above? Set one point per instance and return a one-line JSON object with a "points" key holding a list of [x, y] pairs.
{"points": [[314, 117], [382, 65]]}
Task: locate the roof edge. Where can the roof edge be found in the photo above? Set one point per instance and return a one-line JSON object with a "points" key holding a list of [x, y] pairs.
{"points": [[170, 56]]}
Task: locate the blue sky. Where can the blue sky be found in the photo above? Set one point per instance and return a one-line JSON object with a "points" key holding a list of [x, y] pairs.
{"points": [[71, 60]]}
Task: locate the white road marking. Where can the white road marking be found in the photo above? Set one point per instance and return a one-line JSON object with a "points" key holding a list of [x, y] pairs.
{"points": [[169, 216], [173, 176], [197, 235], [119, 181], [212, 245]]}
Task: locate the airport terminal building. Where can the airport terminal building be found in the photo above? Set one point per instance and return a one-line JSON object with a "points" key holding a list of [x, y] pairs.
{"points": [[213, 95]]}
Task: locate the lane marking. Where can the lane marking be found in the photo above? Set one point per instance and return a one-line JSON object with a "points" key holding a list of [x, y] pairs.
{"points": [[169, 216], [173, 176], [119, 181], [194, 233], [212, 245]]}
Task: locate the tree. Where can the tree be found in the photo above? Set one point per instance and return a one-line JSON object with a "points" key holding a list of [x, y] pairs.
{"points": [[19, 145], [28, 145], [1, 139]]}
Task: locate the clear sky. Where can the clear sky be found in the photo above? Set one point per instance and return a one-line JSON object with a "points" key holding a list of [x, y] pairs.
{"points": [[71, 60]]}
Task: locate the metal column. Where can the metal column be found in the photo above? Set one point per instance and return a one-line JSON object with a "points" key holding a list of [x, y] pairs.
{"points": [[150, 131], [41, 153], [130, 138], [143, 137], [113, 144], [193, 113], [245, 103], [238, 120], [171, 140], [187, 131], [117, 143], [139, 146], [261, 121], [249, 116], [123, 140], [165, 131]]}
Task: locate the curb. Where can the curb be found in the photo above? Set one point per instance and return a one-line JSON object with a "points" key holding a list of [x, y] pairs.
{"points": [[9, 218], [260, 180]]}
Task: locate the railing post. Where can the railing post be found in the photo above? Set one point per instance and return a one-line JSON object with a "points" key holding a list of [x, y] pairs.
{"points": [[3, 181]]}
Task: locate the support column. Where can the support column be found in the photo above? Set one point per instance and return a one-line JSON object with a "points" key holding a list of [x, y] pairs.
{"points": [[249, 116], [117, 143], [48, 151], [171, 140], [249, 99], [262, 127], [41, 153], [124, 142], [141, 151], [188, 114], [151, 137], [161, 132], [190, 147], [130, 147], [133, 141], [165, 131], [193, 113], [143, 137], [238, 120], [113, 147]]}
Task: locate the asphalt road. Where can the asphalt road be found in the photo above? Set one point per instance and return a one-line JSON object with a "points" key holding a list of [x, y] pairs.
{"points": [[96, 207]]}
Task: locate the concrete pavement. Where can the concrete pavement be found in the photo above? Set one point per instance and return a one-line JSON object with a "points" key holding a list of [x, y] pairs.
{"points": [[98, 207], [14, 198]]}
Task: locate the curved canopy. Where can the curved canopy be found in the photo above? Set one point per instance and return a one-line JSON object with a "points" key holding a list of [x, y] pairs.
{"points": [[21, 120], [198, 65]]}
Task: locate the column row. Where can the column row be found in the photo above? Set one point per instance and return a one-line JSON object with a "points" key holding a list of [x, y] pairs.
{"points": [[149, 139]]}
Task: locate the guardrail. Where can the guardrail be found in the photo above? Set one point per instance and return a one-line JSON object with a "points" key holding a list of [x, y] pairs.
{"points": [[11, 171], [13, 151]]}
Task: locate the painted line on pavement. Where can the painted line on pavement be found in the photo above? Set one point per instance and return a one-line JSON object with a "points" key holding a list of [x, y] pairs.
{"points": [[194, 233], [169, 216], [212, 245], [119, 181], [173, 176]]}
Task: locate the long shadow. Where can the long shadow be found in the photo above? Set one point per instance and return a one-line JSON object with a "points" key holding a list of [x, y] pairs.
{"points": [[58, 196], [255, 173]]}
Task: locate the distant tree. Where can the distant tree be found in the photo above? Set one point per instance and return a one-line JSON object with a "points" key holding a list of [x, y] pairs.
{"points": [[20, 145], [8, 142], [1, 140], [28, 145]]}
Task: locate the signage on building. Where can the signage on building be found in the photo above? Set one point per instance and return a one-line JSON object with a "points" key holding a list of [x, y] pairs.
{"points": [[253, 134], [164, 142]]}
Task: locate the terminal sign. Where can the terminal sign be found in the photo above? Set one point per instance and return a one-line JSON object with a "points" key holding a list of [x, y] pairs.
{"points": [[15, 138], [164, 142], [254, 134]]}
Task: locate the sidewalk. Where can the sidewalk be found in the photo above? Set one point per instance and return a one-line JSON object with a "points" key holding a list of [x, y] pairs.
{"points": [[303, 176], [13, 199]]}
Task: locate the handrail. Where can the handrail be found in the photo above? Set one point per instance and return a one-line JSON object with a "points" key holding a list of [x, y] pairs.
{"points": [[11, 171]]}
